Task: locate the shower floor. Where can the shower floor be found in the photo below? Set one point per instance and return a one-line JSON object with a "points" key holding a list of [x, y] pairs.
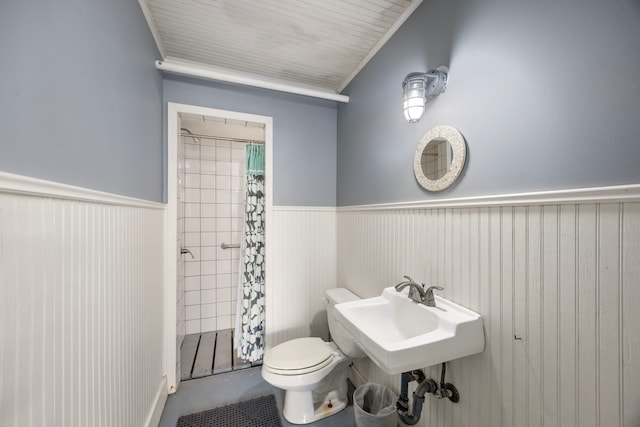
{"points": [[210, 353]]}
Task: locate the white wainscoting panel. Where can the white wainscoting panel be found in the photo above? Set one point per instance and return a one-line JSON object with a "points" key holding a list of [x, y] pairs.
{"points": [[304, 267], [81, 321], [558, 287]]}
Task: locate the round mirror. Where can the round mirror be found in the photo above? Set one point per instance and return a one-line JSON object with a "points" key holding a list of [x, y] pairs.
{"points": [[439, 158]]}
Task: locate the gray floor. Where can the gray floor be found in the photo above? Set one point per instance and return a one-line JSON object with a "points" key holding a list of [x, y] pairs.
{"points": [[232, 387]]}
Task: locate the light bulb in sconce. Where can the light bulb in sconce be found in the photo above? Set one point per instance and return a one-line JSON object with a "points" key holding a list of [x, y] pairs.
{"points": [[417, 87]]}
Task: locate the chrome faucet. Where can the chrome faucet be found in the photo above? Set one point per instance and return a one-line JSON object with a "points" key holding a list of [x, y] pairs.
{"points": [[429, 299], [417, 292]]}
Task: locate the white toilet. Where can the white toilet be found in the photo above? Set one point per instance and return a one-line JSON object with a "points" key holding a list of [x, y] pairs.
{"points": [[312, 372]]}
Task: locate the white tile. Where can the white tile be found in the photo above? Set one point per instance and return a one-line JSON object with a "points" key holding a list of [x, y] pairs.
{"points": [[236, 183], [191, 151], [191, 239], [237, 169], [208, 281], [224, 322], [236, 237], [192, 165], [208, 267], [207, 181], [223, 182], [207, 153], [223, 143], [237, 154], [222, 253], [192, 298], [208, 239], [208, 296], [223, 294], [225, 281], [223, 267], [208, 210], [192, 268], [223, 210], [237, 210], [180, 285], [223, 154], [235, 254], [192, 225], [208, 253], [223, 308], [192, 283], [208, 196], [192, 180], [207, 167], [235, 267], [223, 224], [236, 224], [208, 310], [192, 327], [237, 196], [223, 237], [224, 168], [192, 312], [223, 196], [207, 225], [209, 324], [192, 195], [192, 210]]}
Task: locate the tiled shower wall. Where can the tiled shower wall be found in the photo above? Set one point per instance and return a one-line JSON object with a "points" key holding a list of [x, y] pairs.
{"points": [[210, 214]]}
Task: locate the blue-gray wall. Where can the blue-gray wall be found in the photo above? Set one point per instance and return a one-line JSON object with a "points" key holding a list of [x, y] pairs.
{"points": [[304, 134], [80, 98], [546, 94]]}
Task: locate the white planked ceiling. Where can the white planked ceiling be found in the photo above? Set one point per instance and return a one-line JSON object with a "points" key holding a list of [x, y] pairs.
{"points": [[320, 44]]}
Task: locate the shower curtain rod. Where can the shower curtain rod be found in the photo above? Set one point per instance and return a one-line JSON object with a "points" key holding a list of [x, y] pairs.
{"points": [[222, 138]]}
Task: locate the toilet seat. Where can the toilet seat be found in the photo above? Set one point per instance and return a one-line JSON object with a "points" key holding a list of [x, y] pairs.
{"points": [[298, 356]]}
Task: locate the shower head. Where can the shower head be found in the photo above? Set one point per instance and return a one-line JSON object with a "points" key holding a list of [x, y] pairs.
{"points": [[197, 140]]}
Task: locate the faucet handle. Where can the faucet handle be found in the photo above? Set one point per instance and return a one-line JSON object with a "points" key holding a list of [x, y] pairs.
{"points": [[428, 295], [414, 293]]}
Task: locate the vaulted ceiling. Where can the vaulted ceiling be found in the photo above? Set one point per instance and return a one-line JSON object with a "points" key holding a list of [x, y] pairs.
{"points": [[318, 44]]}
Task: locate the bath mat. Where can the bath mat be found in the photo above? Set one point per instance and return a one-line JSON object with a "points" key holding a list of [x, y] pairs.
{"points": [[260, 412]]}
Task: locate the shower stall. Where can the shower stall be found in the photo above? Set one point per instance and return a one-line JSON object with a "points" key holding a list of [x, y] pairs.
{"points": [[210, 194]]}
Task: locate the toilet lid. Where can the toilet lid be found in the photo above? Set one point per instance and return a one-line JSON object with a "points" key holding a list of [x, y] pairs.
{"points": [[306, 354]]}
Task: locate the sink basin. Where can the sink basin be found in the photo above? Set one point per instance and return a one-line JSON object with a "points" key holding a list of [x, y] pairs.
{"points": [[400, 335]]}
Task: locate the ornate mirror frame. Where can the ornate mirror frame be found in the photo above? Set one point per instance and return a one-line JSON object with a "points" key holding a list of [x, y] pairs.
{"points": [[459, 149]]}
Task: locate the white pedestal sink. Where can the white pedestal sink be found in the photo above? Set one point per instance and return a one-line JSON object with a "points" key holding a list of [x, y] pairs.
{"points": [[400, 335]]}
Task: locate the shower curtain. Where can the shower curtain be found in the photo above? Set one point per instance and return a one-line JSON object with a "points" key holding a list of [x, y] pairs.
{"points": [[249, 331]]}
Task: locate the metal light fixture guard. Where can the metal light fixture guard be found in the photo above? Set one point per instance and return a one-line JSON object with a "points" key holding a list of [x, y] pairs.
{"points": [[417, 87]]}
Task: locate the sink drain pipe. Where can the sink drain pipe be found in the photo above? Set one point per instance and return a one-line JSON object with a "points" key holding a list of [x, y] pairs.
{"points": [[424, 386]]}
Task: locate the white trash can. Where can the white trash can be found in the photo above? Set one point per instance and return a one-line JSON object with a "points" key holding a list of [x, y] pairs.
{"points": [[375, 406]]}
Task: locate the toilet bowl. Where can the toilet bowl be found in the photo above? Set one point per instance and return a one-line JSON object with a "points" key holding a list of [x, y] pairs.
{"points": [[313, 372]]}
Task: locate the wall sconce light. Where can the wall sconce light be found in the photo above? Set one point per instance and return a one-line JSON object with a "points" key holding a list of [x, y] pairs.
{"points": [[417, 87]]}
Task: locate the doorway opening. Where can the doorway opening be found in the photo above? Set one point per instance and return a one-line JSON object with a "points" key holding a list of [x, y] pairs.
{"points": [[205, 222]]}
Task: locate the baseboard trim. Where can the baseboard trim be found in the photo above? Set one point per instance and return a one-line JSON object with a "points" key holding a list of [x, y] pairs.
{"points": [[155, 413], [356, 377]]}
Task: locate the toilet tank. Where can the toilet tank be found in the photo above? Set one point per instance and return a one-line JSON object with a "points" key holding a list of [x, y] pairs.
{"points": [[338, 334]]}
